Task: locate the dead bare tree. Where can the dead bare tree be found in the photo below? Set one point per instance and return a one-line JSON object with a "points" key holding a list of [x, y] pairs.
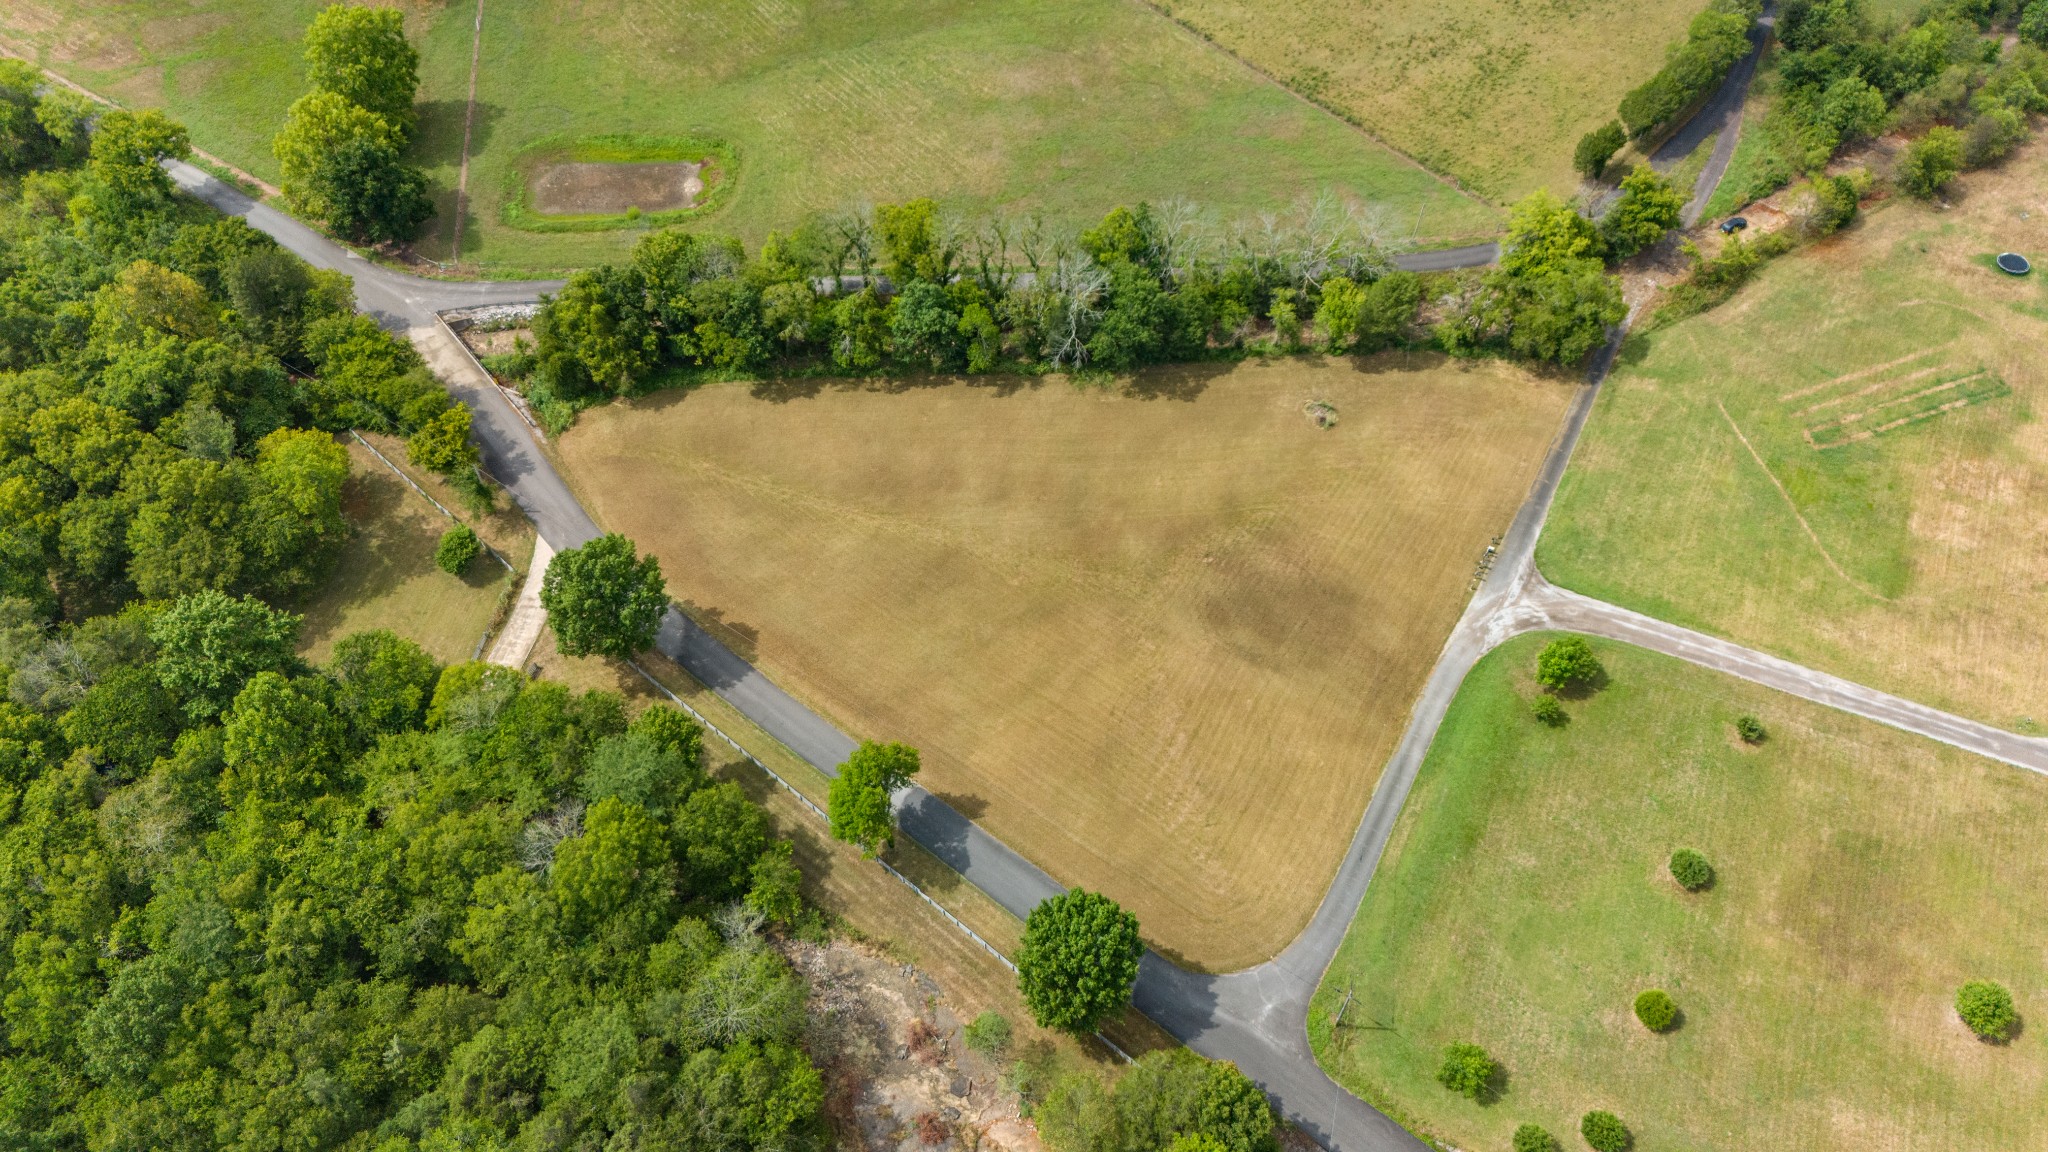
{"points": [[1071, 306]]}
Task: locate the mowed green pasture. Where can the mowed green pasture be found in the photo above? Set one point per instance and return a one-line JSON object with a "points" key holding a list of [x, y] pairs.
{"points": [[1493, 92], [1059, 107], [1863, 874], [1845, 464]]}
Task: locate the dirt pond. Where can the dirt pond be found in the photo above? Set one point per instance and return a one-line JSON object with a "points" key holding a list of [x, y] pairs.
{"points": [[574, 188]]}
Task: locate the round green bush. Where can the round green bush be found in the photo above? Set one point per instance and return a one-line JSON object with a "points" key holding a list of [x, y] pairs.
{"points": [[1567, 662], [1987, 1008], [1605, 1132], [1467, 1070], [1750, 729], [1548, 710], [459, 547], [1656, 1010], [1534, 1138], [1691, 870], [988, 1034]]}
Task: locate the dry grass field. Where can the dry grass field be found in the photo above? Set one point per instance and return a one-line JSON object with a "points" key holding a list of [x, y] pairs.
{"points": [[1861, 875], [1160, 639], [1493, 92], [1846, 464], [386, 578]]}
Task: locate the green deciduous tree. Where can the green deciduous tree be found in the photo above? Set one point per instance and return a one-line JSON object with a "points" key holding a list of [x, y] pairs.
{"points": [[1544, 234], [317, 127], [618, 869], [1567, 662], [371, 195], [1596, 148], [595, 332], [1931, 162], [127, 153], [604, 599], [1649, 207], [442, 444], [1534, 1138], [859, 801], [384, 682], [361, 55], [2033, 24], [211, 645], [1467, 1070], [1078, 961], [914, 245]]}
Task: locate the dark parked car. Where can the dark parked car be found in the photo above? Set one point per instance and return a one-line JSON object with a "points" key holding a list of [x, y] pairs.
{"points": [[1734, 224]]}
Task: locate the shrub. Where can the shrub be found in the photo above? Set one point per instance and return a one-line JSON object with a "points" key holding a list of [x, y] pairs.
{"points": [[1467, 1070], [1605, 1132], [1656, 1010], [457, 549], [1931, 161], [1987, 1008], [1993, 135], [1691, 870], [1567, 662], [1750, 729], [1597, 147], [1534, 1138], [1548, 711], [988, 1034]]}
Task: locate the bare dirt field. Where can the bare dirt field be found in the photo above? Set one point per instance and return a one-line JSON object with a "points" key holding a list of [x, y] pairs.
{"points": [[1160, 638], [573, 188]]}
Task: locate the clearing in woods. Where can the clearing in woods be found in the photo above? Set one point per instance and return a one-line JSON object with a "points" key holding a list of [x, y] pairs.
{"points": [[1861, 875], [1160, 640], [1060, 107], [1493, 92], [1845, 464], [385, 576]]}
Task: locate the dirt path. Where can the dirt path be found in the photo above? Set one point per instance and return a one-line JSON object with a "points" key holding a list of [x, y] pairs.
{"points": [[476, 53]]}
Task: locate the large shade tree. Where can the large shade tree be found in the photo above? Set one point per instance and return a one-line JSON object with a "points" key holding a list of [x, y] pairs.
{"points": [[603, 599]]}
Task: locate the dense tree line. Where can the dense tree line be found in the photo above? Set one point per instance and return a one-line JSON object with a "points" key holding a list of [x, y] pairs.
{"points": [[169, 377], [1716, 39], [905, 289], [250, 904], [341, 152], [1844, 78]]}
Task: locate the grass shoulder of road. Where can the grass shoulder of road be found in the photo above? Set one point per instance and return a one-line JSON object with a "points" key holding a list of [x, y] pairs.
{"points": [[860, 895], [1158, 637], [1845, 464], [385, 576], [1492, 92], [1063, 108], [1862, 875]]}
